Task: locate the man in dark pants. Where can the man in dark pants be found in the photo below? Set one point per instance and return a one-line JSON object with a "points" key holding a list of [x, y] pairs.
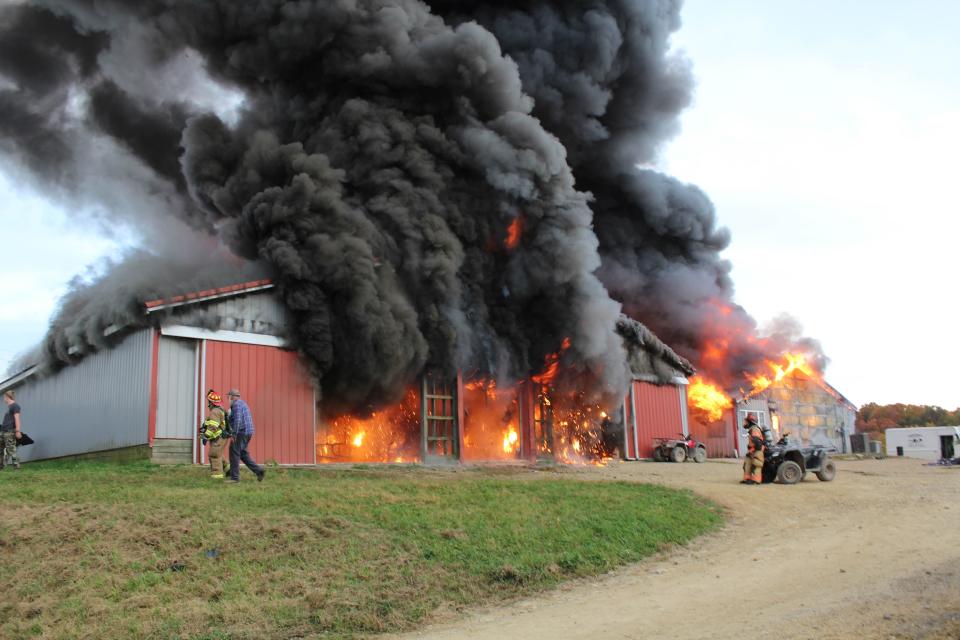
{"points": [[241, 426]]}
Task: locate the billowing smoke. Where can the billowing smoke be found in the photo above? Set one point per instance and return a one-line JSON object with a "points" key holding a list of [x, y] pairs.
{"points": [[372, 154], [605, 81]]}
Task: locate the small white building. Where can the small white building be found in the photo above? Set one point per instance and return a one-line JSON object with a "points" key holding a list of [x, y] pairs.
{"points": [[928, 443]]}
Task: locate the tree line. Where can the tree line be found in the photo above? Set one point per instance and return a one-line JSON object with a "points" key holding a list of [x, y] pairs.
{"points": [[877, 417]]}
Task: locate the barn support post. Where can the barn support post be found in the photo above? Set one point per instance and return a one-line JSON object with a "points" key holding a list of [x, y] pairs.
{"points": [[199, 405], [633, 405], [682, 392], [154, 384], [458, 413], [424, 423]]}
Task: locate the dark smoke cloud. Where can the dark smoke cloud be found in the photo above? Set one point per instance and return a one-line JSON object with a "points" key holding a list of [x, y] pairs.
{"points": [[380, 152], [605, 81], [376, 164]]}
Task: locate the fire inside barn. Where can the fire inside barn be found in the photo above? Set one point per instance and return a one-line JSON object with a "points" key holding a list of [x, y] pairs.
{"points": [[142, 396]]}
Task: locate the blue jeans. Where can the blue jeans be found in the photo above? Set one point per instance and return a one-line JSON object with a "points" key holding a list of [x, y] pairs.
{"points": [[238, 452]]}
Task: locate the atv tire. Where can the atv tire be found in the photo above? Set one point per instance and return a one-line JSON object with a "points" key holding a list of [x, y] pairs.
{"points": [[828, 471], [678, 454], [789, 472], [658, 455], [700, 455]]}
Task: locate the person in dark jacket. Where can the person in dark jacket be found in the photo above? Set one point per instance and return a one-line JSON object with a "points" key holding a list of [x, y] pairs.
{"points": [[10, 430], [241, 428]]}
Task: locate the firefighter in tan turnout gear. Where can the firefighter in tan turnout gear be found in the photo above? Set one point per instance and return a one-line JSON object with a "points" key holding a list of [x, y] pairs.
{"points": [[214, 431], [753, 462]]}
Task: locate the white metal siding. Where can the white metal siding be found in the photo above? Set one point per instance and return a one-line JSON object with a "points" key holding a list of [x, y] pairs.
{"points": [[175, 388], [255, 313], [97, 404]]}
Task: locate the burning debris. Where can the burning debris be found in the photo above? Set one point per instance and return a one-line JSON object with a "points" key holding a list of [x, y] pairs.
{"points": [[433, 187]]}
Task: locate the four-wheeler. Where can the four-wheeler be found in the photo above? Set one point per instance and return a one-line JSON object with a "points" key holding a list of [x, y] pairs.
{"points": [[678, 450], [788, 463]]}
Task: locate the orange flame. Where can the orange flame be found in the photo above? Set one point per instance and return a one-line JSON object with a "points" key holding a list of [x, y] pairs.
{"points": [[514, 231], [389, 435], [491, 422], [794, 362], [709, 398], [551, 365], [510, 441]]}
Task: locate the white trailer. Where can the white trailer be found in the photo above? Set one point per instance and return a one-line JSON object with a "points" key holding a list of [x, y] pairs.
{"points": [[928, 443]]}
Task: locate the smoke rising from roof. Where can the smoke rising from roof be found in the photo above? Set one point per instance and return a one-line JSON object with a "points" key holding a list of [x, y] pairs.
{"points": [[381, 150]]}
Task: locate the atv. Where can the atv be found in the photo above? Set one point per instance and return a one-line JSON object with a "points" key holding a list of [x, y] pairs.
{"points": [[788, 463], [678, 450]]}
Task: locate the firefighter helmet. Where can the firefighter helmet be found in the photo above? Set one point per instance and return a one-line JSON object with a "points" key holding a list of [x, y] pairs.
{"points": [[214, 398], [751, 418]]}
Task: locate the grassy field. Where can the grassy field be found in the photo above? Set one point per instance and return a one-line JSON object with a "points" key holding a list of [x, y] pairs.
{"points": [[138, 551]]}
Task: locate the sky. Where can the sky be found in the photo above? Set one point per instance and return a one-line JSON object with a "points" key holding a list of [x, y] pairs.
{"points": [[824, 133]]}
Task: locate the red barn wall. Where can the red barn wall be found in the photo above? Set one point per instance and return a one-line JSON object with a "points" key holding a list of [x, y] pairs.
{"points": [[658, 414], [718, 436], [278, 391]]}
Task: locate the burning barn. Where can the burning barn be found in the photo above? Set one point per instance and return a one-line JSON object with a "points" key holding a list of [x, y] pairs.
{"points": [[142, 394], [454, 203], [790, 397]]}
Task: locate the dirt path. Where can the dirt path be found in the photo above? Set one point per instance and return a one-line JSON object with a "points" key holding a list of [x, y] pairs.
{"points": [[874, 554]]}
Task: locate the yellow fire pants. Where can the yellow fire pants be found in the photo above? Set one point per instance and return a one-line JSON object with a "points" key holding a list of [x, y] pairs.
{"points": [[753, 466]]}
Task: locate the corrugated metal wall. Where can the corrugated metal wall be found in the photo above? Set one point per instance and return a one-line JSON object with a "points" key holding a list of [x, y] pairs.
{"points": [[255, 313], [658, 414], [98, 404], [278, 391], [177, 388]]}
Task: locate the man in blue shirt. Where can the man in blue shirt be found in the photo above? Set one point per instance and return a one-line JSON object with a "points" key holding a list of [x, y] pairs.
{"points": [[241, 428]]}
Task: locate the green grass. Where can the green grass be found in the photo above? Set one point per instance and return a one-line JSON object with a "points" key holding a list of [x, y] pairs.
{"points": [[90, 549]]}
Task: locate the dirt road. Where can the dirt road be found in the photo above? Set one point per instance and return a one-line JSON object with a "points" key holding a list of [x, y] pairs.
{"points": [[874, 554]]}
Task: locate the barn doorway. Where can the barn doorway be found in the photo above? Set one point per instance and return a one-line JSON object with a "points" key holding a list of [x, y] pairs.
{"points": [[947, 451]]}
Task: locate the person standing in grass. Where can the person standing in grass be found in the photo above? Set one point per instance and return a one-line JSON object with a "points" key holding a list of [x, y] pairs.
{"points": [[241, 429], [10, 429], [214, 431]]}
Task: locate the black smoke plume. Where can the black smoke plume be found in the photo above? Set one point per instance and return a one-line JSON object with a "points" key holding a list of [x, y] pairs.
{"points": [[375, 155]]}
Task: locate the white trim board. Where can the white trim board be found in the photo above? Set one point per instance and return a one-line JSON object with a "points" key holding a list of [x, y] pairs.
{"points": [[240, 337]]}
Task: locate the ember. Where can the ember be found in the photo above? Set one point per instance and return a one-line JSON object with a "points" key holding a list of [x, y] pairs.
{"points": [[571, 429]]}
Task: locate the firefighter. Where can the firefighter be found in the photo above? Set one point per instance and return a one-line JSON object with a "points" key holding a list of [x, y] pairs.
{"points": [[753, 462], [214, 431]]}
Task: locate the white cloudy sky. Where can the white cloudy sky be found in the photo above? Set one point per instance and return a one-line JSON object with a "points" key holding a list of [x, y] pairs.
{"points": [[825, 133]]}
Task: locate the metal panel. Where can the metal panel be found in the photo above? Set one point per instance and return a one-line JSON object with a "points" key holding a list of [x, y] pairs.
{"points": [[98, 404], [176, 390], [258, 313], [277, 389], [658, 415]]}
